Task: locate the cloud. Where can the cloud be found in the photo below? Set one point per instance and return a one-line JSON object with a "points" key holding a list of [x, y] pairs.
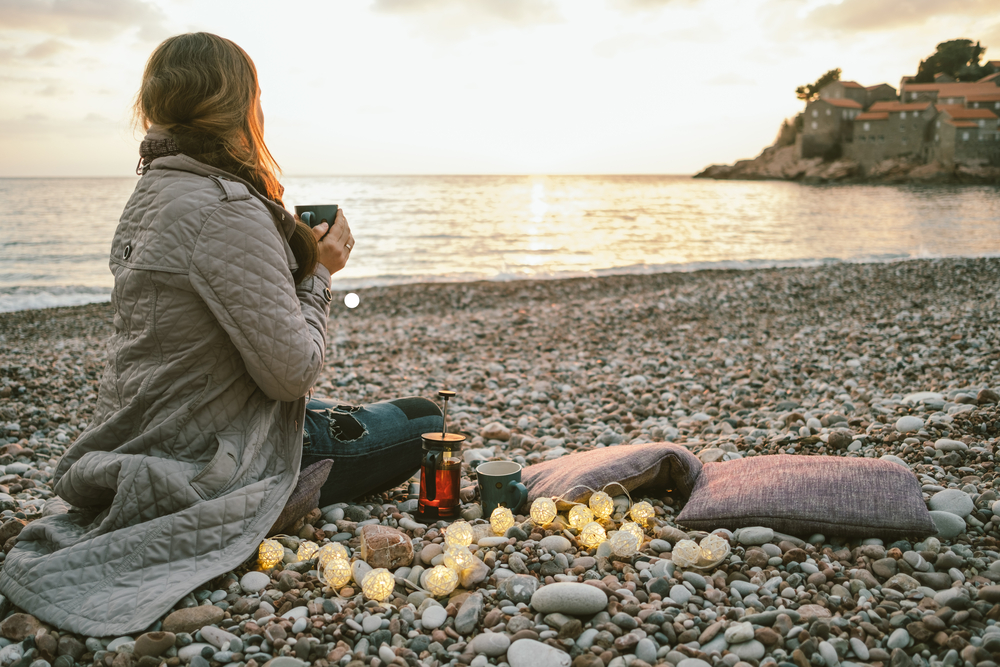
{"points": [[647, 5], [45, 49], [94, 20], [467, 16], [860, 15], [731, 79]]}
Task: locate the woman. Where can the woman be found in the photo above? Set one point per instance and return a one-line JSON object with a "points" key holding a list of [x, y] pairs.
{"points": [[220, 304]]}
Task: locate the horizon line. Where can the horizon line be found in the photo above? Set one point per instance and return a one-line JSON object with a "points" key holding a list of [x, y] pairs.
{"points": [[526, 174]]}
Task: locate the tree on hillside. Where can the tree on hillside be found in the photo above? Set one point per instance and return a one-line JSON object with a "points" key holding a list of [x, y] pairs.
{"points": [[958, 58], [810, 91]]}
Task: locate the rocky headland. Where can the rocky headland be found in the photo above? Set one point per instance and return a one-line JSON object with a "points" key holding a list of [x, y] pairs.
{"points": [[783, 163], [897, 360]]}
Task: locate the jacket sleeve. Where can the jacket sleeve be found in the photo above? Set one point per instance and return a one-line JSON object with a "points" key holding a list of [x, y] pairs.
{"points": [[240, 268]]}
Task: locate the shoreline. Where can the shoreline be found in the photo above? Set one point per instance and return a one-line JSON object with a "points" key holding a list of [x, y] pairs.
{"points": [[805, 361]]}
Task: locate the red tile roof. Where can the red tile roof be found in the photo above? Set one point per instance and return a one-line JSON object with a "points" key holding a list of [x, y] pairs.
{"points": [[893, 106], [851, 84], [985, 97], [879, 85], [961, 123], [951, 89], [959, 112], [841, 102], [877, 115], [989, 77]]}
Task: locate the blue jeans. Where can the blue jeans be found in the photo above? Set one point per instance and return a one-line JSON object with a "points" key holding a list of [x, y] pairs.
{"points": [[374, 447]]}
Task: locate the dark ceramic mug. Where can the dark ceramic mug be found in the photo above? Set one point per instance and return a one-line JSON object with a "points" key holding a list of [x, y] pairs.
{"points": [[500, 486]]}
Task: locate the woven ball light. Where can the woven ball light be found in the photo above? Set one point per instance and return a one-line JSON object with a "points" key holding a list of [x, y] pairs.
{"points": [[307, 550], [592, 535], [580, 516], [458, 534], [336, 572], [713, 548], [457, 558], [633, 528], [642, 512], [601, 504], [328, 552], [441, 580], [378, 584], [685, 553], [501, 520], [543, 511], [270, 553], [624, 543]]}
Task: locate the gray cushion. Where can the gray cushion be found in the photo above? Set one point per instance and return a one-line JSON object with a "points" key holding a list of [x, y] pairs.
{"points": [[802, 495], [655, 466]]}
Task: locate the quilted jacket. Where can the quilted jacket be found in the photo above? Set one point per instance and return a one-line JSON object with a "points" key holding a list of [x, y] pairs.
{"points": [[196, 440]]}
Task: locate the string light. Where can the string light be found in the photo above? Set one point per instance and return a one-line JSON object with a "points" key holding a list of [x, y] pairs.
{"points": [[457, 558], [270, 554], [713, 549], [602, 504], [642, 512], [378, 584], [625, 543], [336, 572], [307, 550], [580, 516], [330, 551], [543, 511], [441, 580], [458, 534], [685, 553], [592, 534], [501, 520], [634, 528]]}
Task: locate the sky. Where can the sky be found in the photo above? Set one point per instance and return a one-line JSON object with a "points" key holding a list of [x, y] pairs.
{"points": [[465, 86]]}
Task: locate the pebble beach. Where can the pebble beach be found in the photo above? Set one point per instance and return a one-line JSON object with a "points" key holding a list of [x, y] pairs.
{"points": [[889, 360]]}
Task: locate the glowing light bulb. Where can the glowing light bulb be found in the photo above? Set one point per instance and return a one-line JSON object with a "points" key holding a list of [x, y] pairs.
{"points": [[378, 584], [330, 551], [457, 558], [685, 553], [307, 550], [543, 511], [458, 534], [270, 554], [580, 516], [501, 520], [634, 528], [336, 572], [642, 512], [441, 580], [592, 534], [625, 543], [713, 549], [601, 504]]}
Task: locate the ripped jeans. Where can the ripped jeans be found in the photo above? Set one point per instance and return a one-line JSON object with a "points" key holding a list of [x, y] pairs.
{"points": [[374, 447]]}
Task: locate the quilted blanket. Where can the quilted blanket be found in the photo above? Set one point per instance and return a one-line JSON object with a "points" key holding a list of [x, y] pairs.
{"points": [[196, 439]]}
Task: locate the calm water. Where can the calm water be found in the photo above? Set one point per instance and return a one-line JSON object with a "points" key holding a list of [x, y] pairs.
{"points": [[55, 233]]}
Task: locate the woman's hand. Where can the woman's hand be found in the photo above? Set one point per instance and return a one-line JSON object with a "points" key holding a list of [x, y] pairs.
{"points": [[335, 248]]}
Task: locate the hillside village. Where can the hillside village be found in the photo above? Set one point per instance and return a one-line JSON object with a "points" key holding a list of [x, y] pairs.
{"points": [[945, 131]]}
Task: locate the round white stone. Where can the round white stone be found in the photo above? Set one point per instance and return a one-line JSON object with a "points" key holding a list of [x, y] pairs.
{"points": [[948, 525], [909, 424], [739, 633], [754, 535], [556, 543], [531, 653], [946, 445], [956, 501], [254, 582], [491, 644], [679, 594], [434, 617], [571, 598]]}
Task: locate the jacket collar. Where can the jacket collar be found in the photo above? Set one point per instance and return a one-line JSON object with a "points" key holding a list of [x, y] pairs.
{"points": [[283, 220]]}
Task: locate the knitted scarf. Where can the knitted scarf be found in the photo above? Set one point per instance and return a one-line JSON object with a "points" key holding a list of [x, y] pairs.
{"points": [[150, 149]]}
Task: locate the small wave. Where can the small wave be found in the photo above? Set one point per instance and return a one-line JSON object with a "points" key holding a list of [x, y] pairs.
{"points": [[31, 298]]}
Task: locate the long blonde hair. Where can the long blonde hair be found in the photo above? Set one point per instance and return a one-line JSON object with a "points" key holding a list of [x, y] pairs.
{"points": [[203, 90]]}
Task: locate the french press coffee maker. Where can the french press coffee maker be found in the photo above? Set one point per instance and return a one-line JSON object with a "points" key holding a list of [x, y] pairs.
{"points": [[440, 469]]}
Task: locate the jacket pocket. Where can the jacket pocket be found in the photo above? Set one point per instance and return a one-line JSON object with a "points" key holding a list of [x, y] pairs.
{"points": [[219, 472]]}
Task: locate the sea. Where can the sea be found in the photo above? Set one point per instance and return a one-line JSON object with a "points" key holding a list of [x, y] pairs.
{"points": [[55, 233]]}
